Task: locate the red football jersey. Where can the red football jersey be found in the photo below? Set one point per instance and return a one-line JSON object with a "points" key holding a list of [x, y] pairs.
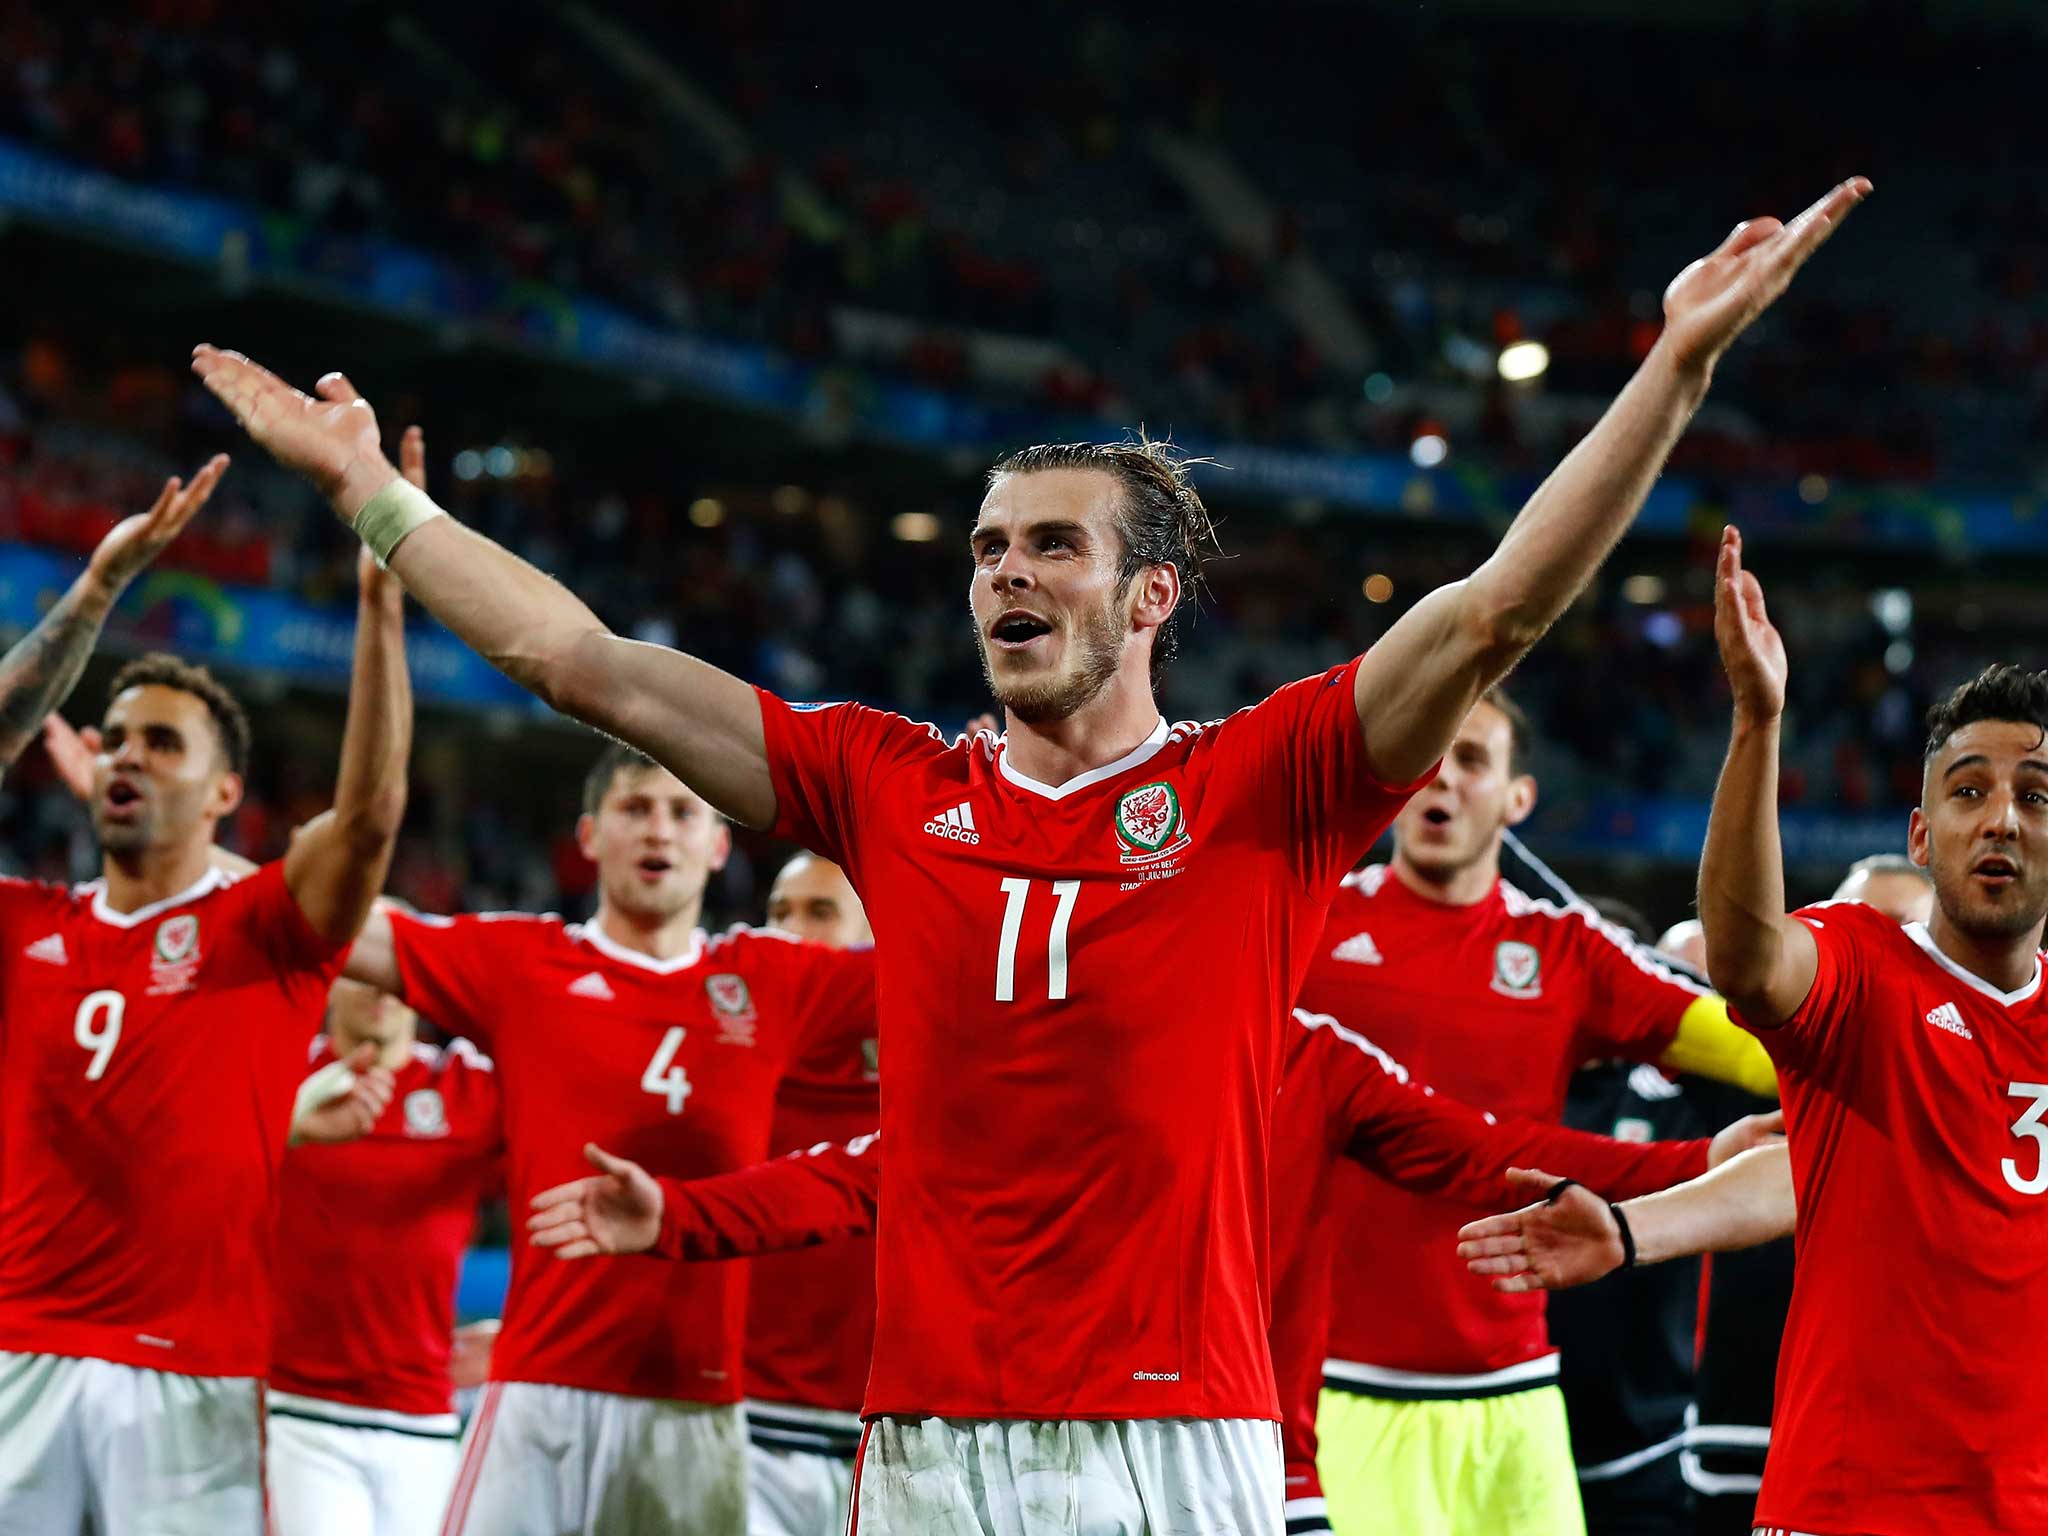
{"points": [[370, 1237], [811, 1315], [1342, 1097], [1082, 992], [673, 1064], [1912, 1389], [152, 1059], [1497, 1004]]}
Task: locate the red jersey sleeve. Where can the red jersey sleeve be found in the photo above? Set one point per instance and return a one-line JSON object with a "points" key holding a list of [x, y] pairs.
{"points": [[1307, 762], [819, 1195], [1414, 1137], [23, 905], [825, 761], [1639, 999], [454, 967], [1842, 941], [303, 958]]}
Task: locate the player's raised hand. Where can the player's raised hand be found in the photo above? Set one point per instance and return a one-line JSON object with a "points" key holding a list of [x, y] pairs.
{"points": [[1713, 300], [1548, 1246], [1738, 1136], [329, 436], [344, 1100], [135, 541], [1752, 650], [71, 753], [616, 1211]]}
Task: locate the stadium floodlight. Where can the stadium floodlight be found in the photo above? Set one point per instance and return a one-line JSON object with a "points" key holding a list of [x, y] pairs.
{"points": [[1521, 361], [914, 527], [1429, 450]]}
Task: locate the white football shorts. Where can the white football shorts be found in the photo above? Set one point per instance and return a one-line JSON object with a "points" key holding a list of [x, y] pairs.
{"points": [[340, 1470], [1069, 1477]]}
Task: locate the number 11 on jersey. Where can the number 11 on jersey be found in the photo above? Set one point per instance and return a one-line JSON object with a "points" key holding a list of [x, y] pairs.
{"points": [[1017, 890]]}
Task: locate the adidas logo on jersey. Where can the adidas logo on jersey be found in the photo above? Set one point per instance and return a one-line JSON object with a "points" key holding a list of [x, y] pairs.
{"points": [[956, 825], [1949, 1017], [49, 950], [1359, 949], [590, 984]]}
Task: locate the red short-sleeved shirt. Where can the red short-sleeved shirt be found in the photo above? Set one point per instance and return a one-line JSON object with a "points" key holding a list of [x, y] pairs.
{"points": [[1082, 989], [370, 1238], [1911, 1389], [673, 1064], [152, 1059], [1497, 1004]]}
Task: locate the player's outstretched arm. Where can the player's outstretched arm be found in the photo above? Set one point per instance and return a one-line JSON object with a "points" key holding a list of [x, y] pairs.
{"points": [[42, 668], [1762, 961], [703, 724], [337, 862], [1574, 1238], [819, 1195], [1423, 676]]}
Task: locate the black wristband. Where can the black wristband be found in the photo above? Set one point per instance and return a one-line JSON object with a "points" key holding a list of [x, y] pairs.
{"points": [[1557, 1191], [1628, 1238]]}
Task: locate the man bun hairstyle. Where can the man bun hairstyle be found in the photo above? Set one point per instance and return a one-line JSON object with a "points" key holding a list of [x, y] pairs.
{"points": [[160, 669], [1159, 516], [1997, 693]]}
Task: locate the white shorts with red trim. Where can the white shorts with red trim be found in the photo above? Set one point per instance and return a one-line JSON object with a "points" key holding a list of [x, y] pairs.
{"points": [[541, 1460], [1055, 1477], [88, 1445], [340, 1470]]}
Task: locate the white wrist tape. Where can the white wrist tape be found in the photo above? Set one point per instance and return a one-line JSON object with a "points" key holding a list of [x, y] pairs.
{"points": [[387, 517], [323, 1087]]}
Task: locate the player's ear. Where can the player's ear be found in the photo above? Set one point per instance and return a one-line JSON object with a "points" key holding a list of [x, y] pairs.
{"points": [[1919, 838], [721, 842], [227, 796], [1155, 593], [586, 836], [1521, 798]]}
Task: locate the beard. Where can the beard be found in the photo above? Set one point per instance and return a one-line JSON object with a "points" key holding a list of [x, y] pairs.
{"points": [[2019, 914], [127, 836], [1098, 652]]}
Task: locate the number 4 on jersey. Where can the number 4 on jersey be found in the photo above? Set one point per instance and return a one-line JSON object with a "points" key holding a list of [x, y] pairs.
{"points": [[663, 1078]]}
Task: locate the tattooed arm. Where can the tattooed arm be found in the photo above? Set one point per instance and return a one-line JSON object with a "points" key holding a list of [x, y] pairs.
{"points": [[44, 665]]}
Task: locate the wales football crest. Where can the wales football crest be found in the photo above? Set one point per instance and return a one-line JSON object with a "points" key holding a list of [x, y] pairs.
{"points": [[1517, 969], [1150, 826]]}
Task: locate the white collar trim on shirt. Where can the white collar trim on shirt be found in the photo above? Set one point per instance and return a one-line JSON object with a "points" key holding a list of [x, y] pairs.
{"points": [[597, 939], [212, 880], [1081, 781], [1918, 933]]}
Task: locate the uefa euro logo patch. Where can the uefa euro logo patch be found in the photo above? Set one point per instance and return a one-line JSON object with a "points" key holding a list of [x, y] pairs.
{"points": [[1517, 969], [1150, 827]]}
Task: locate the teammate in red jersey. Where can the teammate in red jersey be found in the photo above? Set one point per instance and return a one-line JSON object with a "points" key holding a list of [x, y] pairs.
{"points": [[1088, 931], [157, 1021], [1914, 1063], [615, 1390], [1495, 997], [811, 1316], [370, 1238], [1340, 1097]]}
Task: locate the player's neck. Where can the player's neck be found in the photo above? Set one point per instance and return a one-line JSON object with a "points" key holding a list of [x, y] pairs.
{"points": [[1107, 727], [1466, 886], [391, 1054], [137, 878], [2008, 964], [657, 939]]}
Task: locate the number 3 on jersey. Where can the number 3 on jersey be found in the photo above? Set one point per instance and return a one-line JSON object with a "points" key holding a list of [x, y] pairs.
{"points": [[102, 1036], [1018, 891], [2030, 1126], [663, 1077]]}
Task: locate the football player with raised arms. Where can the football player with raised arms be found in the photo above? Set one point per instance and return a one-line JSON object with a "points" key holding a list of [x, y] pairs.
{"points": [[1083, 1004], [1914, 1063], [157, 1026]]}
